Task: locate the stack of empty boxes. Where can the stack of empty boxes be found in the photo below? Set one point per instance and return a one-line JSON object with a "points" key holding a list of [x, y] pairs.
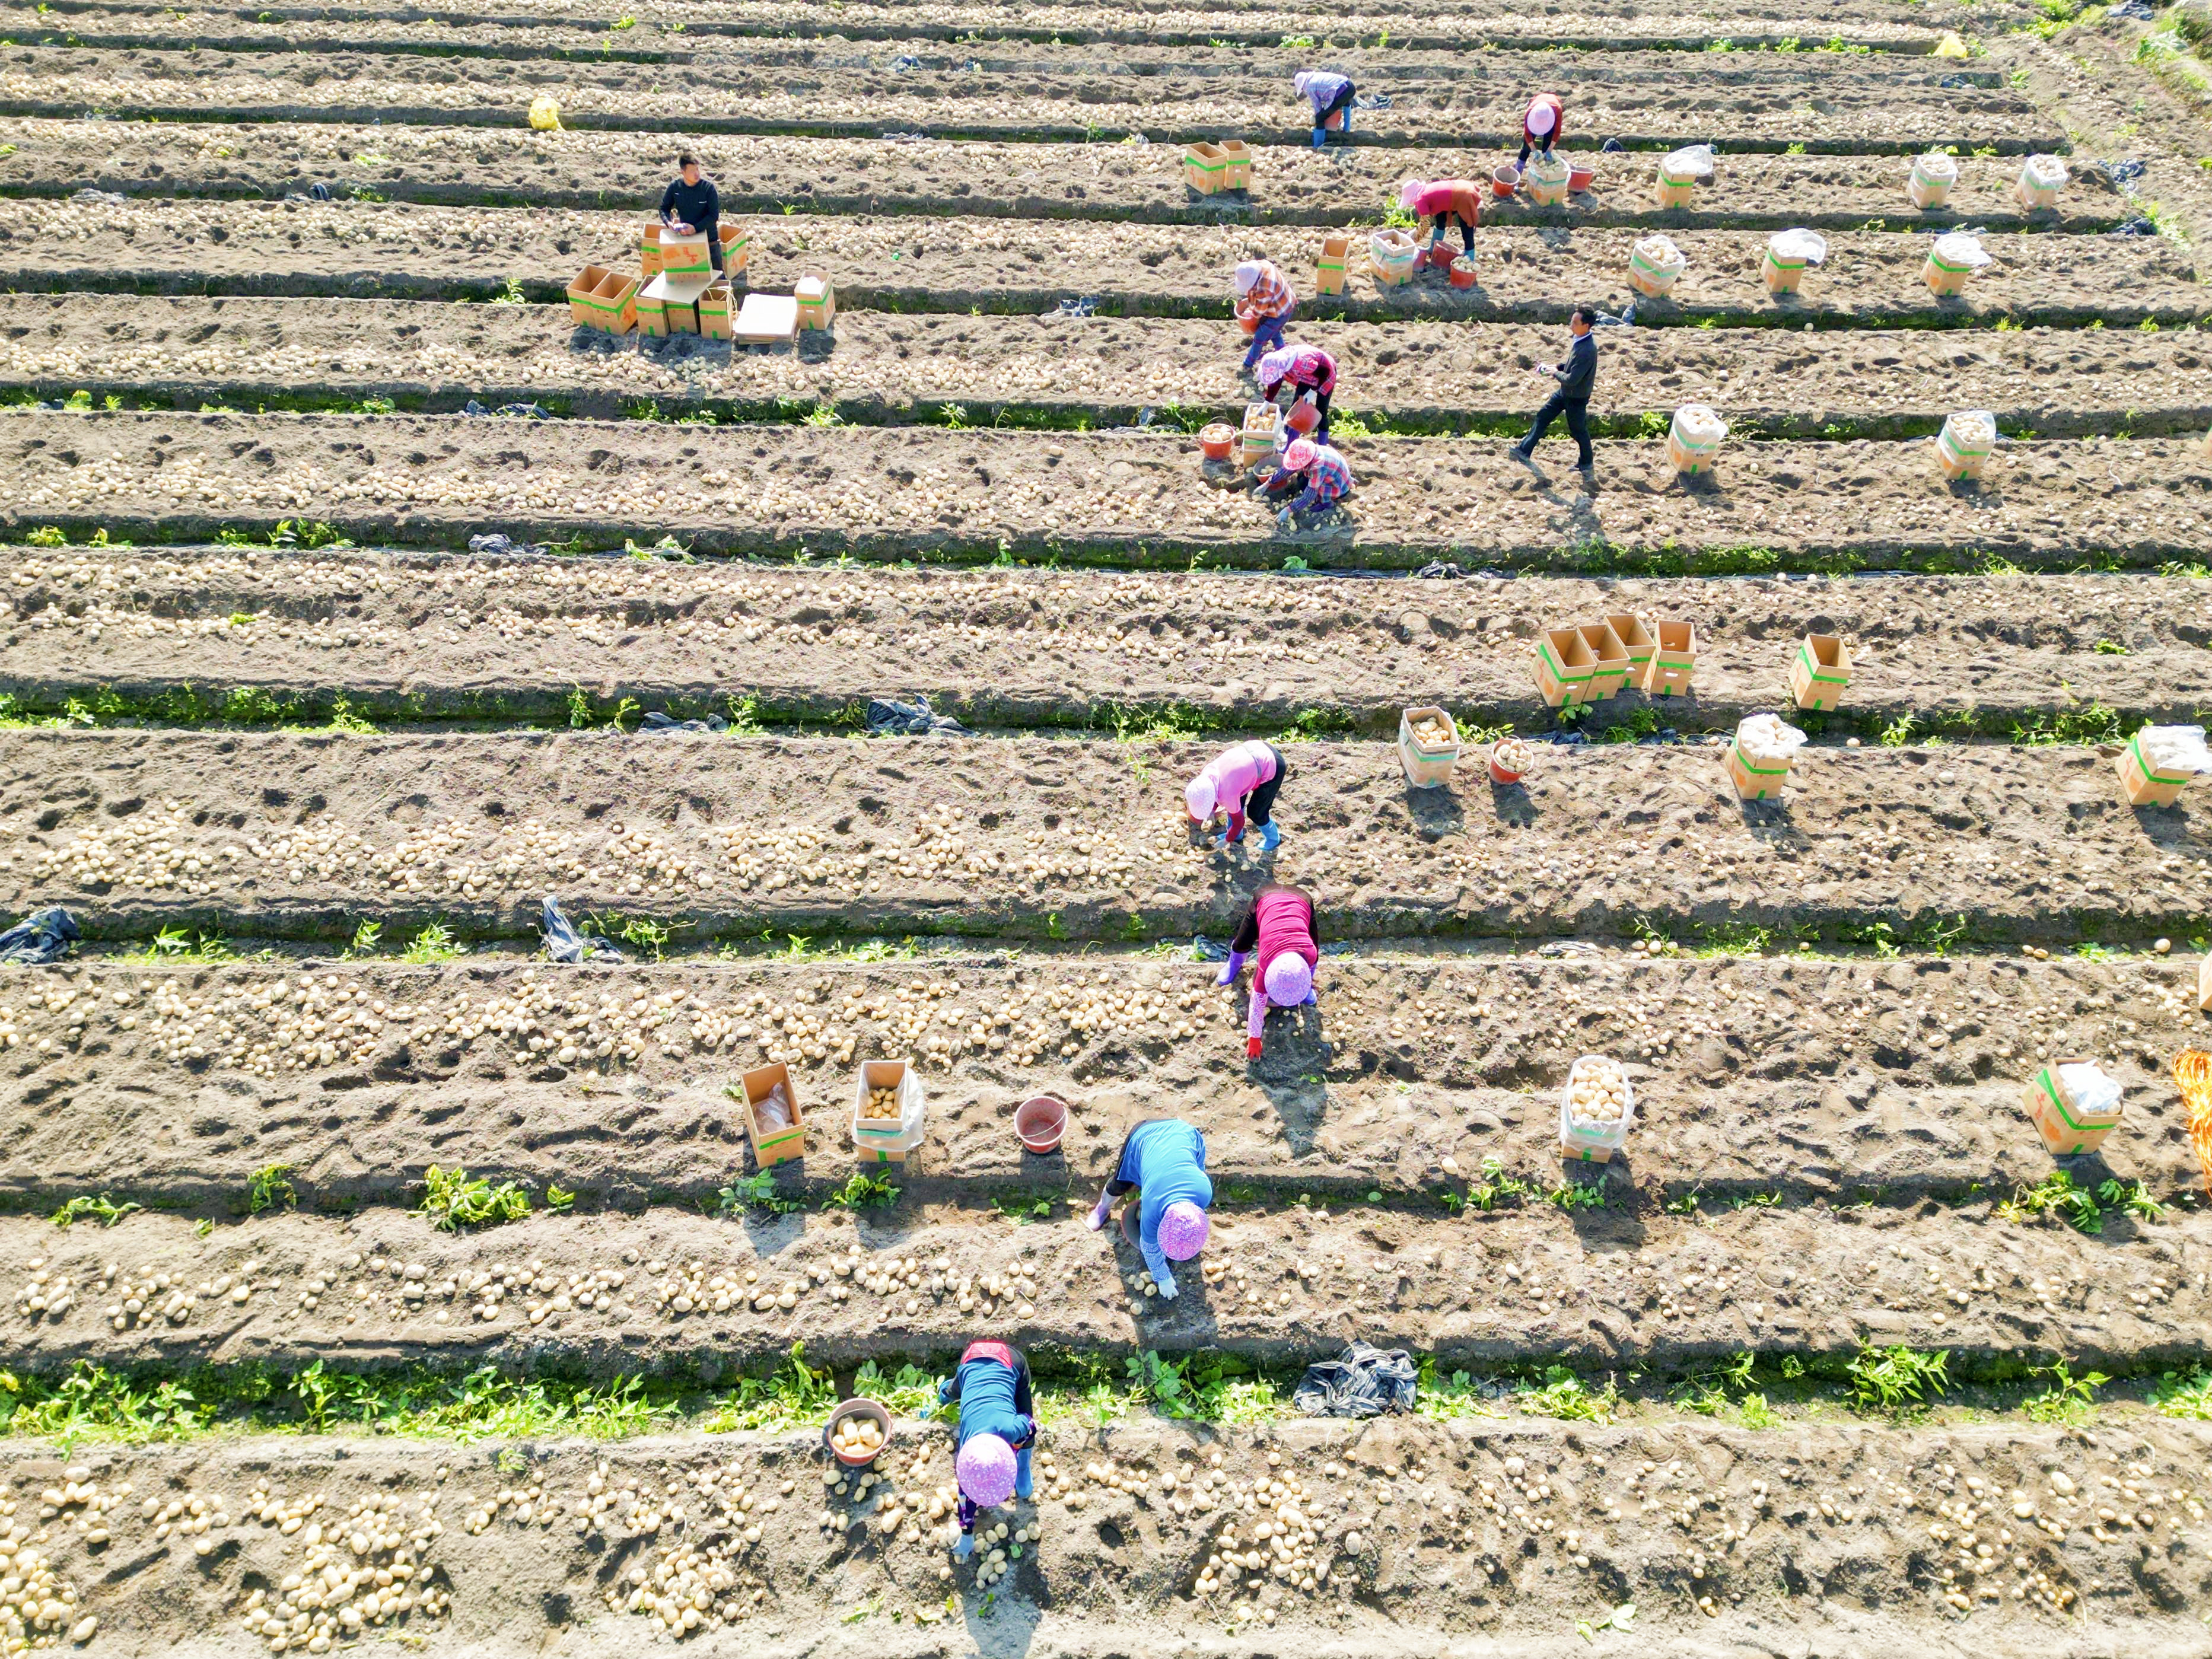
{"points": [[676, 292]]}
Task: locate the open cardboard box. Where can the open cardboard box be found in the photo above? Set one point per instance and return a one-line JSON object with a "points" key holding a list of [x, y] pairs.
{"points": [[604, 299], [817, 300], [2066, 1129], [1630, 633], [1332, 267], [1238, 156], [773, 1146], [1564, 668], [1673, 658], [737, 248], [1759, 780], [1206, 167], [1426, 768], [1610, 657], [685, 256], [2141, 785], [676, 301], [648, 250], [1819, 671], [887, 1141], [714, 316]]}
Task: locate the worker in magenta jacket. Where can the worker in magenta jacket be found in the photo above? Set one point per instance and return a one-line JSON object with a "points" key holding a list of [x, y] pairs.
{"points": [[1443, 200], [1542, 126], [1310, 374], [1278, 932], [1242, 782]]}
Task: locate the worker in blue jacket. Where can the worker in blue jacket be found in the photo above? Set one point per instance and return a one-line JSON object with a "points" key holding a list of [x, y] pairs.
{"points": [[998, 1430], [1163, 1160]]}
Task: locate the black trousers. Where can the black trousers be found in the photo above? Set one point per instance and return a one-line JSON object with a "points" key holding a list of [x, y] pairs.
{"points": [[1342, 101], [1259, 805], [1466, 231], [1577, 413]]}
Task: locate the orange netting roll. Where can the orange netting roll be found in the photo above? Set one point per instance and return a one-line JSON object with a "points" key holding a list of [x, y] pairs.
{"points": [[2192, 1074]]}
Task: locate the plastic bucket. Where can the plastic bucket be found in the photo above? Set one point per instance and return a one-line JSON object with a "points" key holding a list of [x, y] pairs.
{"points": [[1041, 1120], [1504, 179], [857, 1409], [1303, 416], [1580, 177], [1461, 272], [1217, 440], [1499, 774], [1249, 324]]}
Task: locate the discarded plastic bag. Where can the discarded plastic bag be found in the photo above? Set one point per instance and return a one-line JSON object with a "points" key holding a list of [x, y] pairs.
{"points": [[545, 114], [2176, 749], [40, 939], [887, 718], [2093, 1094], [774, 1110], [1680, 174], [1363, 1382], [1768, 738], [564, 944]]}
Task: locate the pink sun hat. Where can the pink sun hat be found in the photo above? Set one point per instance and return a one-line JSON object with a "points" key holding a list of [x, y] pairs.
{"points": [[985, 1469], [1182, 1230], [1300, 455], [1290, 979]]}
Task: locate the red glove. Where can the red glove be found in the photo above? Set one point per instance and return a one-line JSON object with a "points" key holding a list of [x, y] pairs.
{"points": [[1251, 1048]]}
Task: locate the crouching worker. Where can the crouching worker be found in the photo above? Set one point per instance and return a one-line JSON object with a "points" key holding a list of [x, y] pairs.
{"points": [[1330, 94], [1163, 1161], [997, 1431], [1313, 475], [1278, 931], [1265, 301], [1242, 782]]}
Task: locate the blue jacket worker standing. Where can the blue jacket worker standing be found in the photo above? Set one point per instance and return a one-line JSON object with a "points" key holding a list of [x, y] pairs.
{"points": [[692, 203], [997, 1416], [1576, 377], [1163, 1160]]}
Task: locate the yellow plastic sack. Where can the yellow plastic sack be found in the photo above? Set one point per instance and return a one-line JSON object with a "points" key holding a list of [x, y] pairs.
{"points": [[1950, 46], [545, 114]]}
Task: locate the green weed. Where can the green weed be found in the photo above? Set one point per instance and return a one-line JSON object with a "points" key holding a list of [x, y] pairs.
{"points": [[172, 949], [2055, 1195], [2083, 727], [863, 1192], [270, 1187], [793, 1394], [434, 944], [909, 1392], [2132, 1196], [2070, 1399], [2185, 1397], [1565, 1396], [84, 1207], [1620, 1619], [756, 1191], [559, 1198], [454, 1201], [1895, 1378]]}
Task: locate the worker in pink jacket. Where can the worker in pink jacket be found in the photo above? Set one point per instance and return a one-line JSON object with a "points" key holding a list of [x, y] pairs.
{"points": [[1242, 782], [1278, 932], [1443, 201]]}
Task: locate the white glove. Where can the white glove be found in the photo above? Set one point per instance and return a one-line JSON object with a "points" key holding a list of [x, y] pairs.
{"points": [[1167, 1289]]}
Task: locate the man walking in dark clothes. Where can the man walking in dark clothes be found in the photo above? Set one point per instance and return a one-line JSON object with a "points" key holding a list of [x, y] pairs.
{"points": [[691, 204], [1576, 377]]}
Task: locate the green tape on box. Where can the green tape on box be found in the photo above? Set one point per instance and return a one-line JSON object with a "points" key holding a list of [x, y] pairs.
{"points": [[1813, 670]]}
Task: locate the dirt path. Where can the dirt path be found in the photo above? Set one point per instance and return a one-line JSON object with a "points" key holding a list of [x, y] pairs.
{"points": [[1100, 496], [1633, 107], [1814, 1079], [878, 367], [1489, 1531], [1507, 1288], [395, 250], [448, 637]]}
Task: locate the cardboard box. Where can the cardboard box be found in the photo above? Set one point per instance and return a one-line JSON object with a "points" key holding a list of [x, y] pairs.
{"points": [[766, 320], [1238, 154], [648, 250], [1763, 779], [1611, 658], [774, 1145], [1638, 643], [1332, 267], [887, 1141], [685, 256], [675, 301], [1673, 658], [652, 320], [2204, 983], [817, 300], [1206, 168], [2141, 785], [604, 299], [1426, 768], [1819, 671], [737, 248], [1263, 423], [1564, 668], [2066, 1129], [714, 317]]}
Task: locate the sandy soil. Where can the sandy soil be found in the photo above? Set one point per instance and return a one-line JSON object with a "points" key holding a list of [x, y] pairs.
{"points": [[437, 637], [1464, 1533], [1605, 1289], [435, 478], [1633, 107], [878, 367], [366, 250], [1028, 182]]}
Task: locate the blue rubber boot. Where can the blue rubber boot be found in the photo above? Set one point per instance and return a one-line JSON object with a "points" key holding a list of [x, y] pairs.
{"points": [[965, 1547], [1023, 1485], [1271, 837], [1319, 138]]}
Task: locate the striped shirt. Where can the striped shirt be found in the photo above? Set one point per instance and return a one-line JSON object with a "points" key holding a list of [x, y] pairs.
{"points": [[1271, 295], [1328, 478]]}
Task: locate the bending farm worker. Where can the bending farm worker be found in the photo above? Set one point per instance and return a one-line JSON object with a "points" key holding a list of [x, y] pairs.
{"points": [[997, 1431], [691, 204], [1542, 126], [1325, 477], [1442, 201], [1240, 780], [1279, 929], [1163, 1160], [1265, 300], [1330, 94], [1309, 371]]}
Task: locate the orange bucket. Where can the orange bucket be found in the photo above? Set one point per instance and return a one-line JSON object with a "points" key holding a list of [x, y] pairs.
{"points": [[1461, 272], [1304, 418], [1249, 324], [1580, 177], [1041, 1120], [1217, 440], [1504, 179]]}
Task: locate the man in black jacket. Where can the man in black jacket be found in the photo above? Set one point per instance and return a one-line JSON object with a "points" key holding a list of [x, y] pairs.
{"points": [[691, 204], [1576, 377]]}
